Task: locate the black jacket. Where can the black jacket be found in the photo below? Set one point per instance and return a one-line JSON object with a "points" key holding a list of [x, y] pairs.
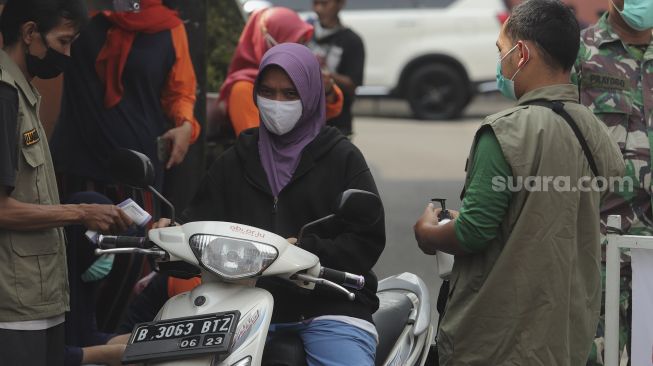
{"points": [[236, 190]]}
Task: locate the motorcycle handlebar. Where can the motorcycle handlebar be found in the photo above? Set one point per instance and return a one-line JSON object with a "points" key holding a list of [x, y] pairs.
{"points": [[346, 279], [117, 241]]}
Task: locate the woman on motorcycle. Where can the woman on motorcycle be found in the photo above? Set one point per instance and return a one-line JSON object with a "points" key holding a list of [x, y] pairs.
{"points": [[289, 172], [265, 28]]}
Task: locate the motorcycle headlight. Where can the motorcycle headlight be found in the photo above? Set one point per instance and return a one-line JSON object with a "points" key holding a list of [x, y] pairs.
{"points": [[232, 258]]}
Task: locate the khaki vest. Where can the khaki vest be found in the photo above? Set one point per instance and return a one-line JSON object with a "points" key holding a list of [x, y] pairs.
{"points": [[533, 296], [33, 272]]}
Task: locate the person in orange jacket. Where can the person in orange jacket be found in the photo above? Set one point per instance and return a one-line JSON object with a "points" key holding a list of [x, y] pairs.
{"points": [[131, 85], [265, 29]]}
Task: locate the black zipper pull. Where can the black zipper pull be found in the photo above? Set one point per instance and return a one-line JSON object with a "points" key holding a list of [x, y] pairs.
{"points": [[274, 207]]}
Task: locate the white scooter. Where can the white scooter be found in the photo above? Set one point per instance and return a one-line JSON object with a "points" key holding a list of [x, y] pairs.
{"points": [[225, 320]]}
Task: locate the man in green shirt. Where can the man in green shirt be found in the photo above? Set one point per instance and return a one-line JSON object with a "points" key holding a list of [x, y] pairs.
{"points": [[525, 286]]}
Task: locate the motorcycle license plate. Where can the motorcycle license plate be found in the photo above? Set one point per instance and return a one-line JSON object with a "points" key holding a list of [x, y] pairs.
{"points": [[182, 337]]}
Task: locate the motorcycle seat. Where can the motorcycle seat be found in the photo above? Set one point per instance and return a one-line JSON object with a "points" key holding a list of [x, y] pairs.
{"points": [[390, 320]]}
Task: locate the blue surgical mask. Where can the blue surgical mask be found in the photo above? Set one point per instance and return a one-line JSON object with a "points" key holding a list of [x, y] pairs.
{"points": [[506, 86], [637, 13], [99, 269]]}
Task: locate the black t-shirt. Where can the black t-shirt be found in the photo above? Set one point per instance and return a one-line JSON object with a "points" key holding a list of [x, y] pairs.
{"points": [[87, 132], [8, 136], [344, 53]]}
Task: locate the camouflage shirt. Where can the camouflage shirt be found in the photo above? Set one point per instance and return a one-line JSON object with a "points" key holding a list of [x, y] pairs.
{"points": [[616, 82]]}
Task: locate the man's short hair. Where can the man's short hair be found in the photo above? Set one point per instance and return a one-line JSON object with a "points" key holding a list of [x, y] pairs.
{"points": [[47, 14], [551, 25]]}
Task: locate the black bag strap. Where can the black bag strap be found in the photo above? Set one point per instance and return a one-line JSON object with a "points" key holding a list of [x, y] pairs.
{"points": [[559, 108]]}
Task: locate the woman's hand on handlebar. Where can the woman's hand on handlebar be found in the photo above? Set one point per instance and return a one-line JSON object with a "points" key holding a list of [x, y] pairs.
{"points": [[161, 223]]}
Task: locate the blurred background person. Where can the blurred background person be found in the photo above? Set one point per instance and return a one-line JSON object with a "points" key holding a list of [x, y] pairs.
{"points": [[614, 73], [133, 87], [85, 343], [342, 56], [264, 29]]}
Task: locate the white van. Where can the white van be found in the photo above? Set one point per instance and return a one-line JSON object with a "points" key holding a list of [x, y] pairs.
{"points": [[436, 54]]}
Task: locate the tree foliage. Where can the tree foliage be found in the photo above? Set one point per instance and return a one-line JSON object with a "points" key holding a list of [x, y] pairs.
{"points": [[224, 24]]}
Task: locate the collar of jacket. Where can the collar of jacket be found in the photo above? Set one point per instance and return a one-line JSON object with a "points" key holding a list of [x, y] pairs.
{"points": [[23, 84], [247, 152], [561, 92], [603, 32]]}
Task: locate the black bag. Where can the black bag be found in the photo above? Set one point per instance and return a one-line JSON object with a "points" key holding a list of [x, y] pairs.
{"points": [[218, 124]]}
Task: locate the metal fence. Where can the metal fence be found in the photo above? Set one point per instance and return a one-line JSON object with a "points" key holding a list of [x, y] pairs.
{"points": [[616, 242]]}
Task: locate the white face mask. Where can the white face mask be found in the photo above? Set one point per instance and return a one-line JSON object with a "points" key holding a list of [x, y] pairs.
{"points": [[279, 117], [320, 32]]}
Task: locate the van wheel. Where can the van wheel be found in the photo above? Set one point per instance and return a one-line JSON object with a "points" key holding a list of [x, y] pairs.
{"points": [[437, 92]]}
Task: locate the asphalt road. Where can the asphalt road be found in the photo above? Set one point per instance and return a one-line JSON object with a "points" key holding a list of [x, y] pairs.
{"points": [[412, 162]]}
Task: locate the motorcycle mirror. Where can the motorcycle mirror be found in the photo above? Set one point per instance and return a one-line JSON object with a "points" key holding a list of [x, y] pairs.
{"points": [[135, 169], [359, 207], [131, 168]]}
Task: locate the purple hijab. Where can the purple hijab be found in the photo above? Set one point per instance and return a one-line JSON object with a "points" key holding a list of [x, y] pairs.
{"points": [[280, 155]]}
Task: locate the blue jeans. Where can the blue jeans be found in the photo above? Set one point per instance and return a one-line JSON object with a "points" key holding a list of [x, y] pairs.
{"points": [[332, 343]]}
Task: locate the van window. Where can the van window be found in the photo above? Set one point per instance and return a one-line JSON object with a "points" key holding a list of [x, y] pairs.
{"points": [[296, 5], [434, 4], [380, 4], [307, 5]]}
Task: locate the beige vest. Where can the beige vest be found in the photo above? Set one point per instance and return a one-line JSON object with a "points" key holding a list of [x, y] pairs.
{"points": [[533, 296], [33, 272]]}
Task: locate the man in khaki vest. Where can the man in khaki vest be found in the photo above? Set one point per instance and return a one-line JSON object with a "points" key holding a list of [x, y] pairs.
{"points": [[37, 36], [526, 287]]}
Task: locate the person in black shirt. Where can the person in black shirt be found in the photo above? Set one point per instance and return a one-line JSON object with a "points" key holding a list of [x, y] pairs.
{"points": [[8, 141], [342, 55], [133, 87]]}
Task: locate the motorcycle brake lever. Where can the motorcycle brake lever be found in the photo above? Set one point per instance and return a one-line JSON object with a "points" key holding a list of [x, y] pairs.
{"points": [[154, 252], [321, 281]]}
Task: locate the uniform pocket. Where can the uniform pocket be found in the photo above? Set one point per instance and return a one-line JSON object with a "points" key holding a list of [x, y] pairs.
{"points": [[40, 242], [607, 94], [36, 268], [37, 189], [33, 155], [613, 107]]}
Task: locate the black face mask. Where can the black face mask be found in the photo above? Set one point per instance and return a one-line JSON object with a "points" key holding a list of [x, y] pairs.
{"points": [[48, 67]]}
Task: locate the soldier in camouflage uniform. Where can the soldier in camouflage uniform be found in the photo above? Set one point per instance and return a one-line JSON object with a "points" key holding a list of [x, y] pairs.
{"points": [[614, 72]]}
